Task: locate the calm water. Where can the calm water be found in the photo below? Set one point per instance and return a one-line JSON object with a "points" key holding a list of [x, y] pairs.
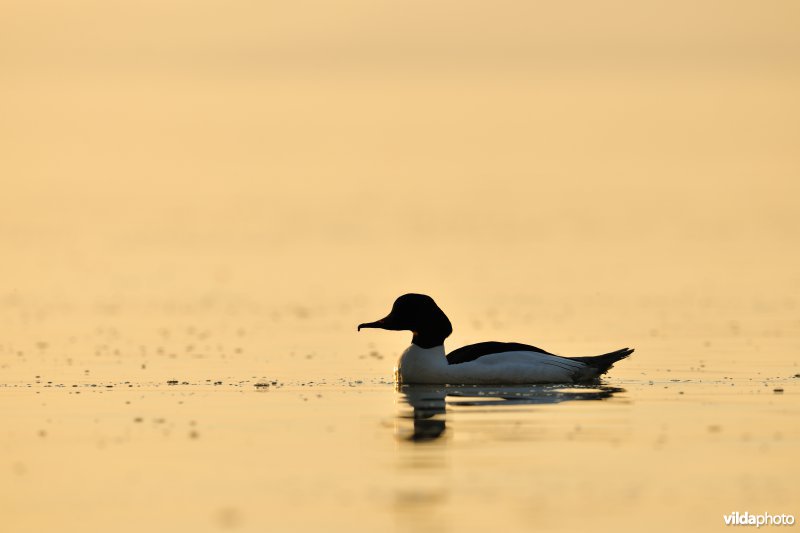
{"points": [[203, 428], [214, 196]]}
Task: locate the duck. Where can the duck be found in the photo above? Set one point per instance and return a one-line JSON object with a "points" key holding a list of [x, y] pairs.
{"points": [[484, 363]]}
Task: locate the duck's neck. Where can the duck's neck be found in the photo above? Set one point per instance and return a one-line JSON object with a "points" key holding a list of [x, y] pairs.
{"points": [[421, 365], [430, 338]]}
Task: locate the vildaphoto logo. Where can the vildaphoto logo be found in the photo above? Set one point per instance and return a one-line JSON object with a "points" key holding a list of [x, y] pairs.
{"points": [[764, 519]]}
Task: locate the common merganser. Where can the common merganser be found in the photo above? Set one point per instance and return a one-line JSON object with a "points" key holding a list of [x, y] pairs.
{"points": [[479, 364]]}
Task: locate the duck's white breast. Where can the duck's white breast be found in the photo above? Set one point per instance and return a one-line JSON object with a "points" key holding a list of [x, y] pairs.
{"points": [[422, 365]]}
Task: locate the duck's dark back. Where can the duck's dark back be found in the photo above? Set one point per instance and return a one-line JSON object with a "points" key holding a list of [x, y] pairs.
{"points": [[471, 352]]}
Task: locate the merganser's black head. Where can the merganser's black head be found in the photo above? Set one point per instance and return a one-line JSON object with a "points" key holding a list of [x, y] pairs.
{"points": [[419, 314]]}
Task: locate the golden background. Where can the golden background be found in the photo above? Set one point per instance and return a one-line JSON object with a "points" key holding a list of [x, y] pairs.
{"points": [[250, 180]]}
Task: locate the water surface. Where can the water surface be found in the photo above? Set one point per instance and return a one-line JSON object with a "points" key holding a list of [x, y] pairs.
{"points": [[197, 198], [351, 451]]}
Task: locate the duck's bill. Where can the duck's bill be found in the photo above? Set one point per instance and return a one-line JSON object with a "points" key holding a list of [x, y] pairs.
{"points": [[383, 323]]}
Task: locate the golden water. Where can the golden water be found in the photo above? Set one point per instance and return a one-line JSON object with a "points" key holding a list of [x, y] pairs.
{"points": [[218, 194]]}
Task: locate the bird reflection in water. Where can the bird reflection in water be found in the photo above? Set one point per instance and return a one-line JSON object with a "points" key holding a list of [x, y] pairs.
{"points": [[429, 402]]}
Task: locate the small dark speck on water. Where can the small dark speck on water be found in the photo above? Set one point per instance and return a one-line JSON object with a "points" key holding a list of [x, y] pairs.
{"points": [[138, 419], [777, 391], [172, 382]]}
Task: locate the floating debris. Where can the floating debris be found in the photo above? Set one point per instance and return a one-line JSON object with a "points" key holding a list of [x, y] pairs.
{"points": [[778, 390], [261, 385], [172, 382]]}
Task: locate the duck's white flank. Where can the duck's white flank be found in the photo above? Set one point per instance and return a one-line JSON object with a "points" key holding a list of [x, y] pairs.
{"points": [[429, 365]]}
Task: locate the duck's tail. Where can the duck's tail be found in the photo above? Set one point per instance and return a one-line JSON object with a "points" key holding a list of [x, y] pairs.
{"points": [[600, 364]]}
